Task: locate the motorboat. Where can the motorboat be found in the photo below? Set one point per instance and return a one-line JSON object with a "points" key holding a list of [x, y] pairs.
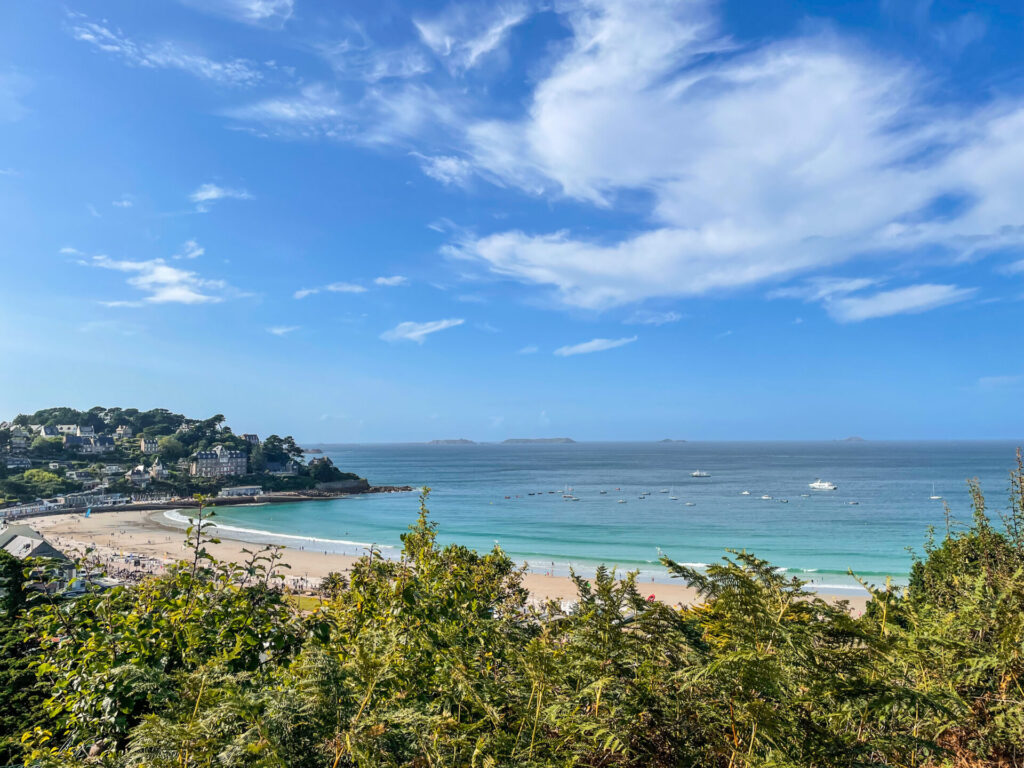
{"points": [[822, 485], [700, 473]]}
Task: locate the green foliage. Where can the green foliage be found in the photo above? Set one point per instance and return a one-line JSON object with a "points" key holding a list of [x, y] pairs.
{"points": [[436, 659]]}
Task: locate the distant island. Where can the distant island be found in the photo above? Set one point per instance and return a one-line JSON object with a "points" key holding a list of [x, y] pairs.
{"points": [[536, 440], [62, 456], [852, 439], [670, 440], [456, 441]]}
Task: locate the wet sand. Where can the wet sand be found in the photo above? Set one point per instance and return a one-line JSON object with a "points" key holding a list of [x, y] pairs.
{"points": [[112, 535]]}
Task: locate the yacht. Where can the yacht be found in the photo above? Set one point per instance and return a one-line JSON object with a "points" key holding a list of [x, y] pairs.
{"points": [[691, 504], [934, 496], [622, 501], [700, 473], [673, 498], [822, 485], [766, 497], [603, 492], [783, 501], [744, 493], [853, 503], [664, 490]]}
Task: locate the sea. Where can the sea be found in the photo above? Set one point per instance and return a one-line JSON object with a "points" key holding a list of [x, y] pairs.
{"points": [[488, 495]]}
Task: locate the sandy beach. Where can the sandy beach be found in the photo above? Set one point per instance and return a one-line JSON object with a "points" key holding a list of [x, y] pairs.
{"points": [[112, 535]]}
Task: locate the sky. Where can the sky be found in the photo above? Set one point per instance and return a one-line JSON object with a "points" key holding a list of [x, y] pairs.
{"points": [[602, 219]]}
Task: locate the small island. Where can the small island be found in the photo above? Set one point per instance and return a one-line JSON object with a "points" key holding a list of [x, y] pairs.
{"points": [[852, 439], [62, 458], [456, 441], [670, 440], [538, 441]]}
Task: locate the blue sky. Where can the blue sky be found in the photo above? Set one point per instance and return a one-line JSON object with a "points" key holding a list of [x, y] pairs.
{"points": [[608, 219]]}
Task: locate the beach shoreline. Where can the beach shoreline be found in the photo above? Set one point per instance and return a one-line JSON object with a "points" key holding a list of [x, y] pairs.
{"points": [[113, 535]]}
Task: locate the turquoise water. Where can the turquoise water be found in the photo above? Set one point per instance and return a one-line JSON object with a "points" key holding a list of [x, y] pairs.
{"points": [[817, 537]]}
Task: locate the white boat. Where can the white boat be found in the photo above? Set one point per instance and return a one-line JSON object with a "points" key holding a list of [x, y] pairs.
{"points": [[744, 493], [822, 485], [622, 501], [766, 497], [602, 492], [673, 498], [691, 504], [700, 473], [934, 496], [664, 490], [783, 501], [853, 503]]}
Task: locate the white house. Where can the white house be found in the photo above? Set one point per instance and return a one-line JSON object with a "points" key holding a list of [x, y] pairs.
{"points": [[241, 490]]}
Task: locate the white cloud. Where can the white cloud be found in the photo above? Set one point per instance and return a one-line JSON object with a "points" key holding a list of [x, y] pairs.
{"points": [[211, 193], [391, 281], [92, 211], [775, 160], [9, 172], [69, 251], [418, 332], [166, 55], [261, 12], [1000, 382], [190, 250], [332, 287], [594, 345], [446, 169], [1014, 268], [282, 330], [824, 288], [464, 34], [162, 283], [126, 201], [316, 110], [345, 288], [529, 349], [648, 317], [911, 299]]}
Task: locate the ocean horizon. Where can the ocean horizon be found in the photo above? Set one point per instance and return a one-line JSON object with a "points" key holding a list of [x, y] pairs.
{"points": [[512, 495]]}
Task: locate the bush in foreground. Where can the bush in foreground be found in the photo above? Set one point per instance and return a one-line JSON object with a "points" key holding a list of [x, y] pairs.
{"points": [[437, 659]]}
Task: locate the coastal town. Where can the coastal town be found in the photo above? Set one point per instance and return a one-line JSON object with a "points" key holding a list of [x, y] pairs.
{"points": [[60, 458]]}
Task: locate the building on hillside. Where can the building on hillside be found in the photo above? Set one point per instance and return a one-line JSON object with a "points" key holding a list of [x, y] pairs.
{"points": [[158, 471], [19, 443], [123, 432], [67, 429], [41, 430], [138, 476], [288, 468], [112, 469], [20, 431], [18, 462], [220, 462], [149, 445], [21, 541], [80, 475], [102, 444], [242, 490], [85, 431], [59, 464], [251, 439]]}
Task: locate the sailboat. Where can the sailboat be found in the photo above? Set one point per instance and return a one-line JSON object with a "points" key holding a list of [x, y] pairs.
{"points": [[934, 496], [700, 473]]}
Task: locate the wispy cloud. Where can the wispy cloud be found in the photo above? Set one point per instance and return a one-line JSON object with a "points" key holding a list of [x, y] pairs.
{"points": [[594, 345], [529, 349], [260, 12], [446, 169], [418, 332], [316, 110], [331, 288], [211, 193], [190, 250], [912, 299], [463, 35], [162, 283], [9, 172], [92, 211], [282, 330], [392, 281], [1001, 382], [777, 159], [648, 317], [165, 55], [126, 201]]}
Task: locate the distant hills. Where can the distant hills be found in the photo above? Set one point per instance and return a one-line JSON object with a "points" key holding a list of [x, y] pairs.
{"points": [[456, 441], [670, 440], [534, 440]]}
